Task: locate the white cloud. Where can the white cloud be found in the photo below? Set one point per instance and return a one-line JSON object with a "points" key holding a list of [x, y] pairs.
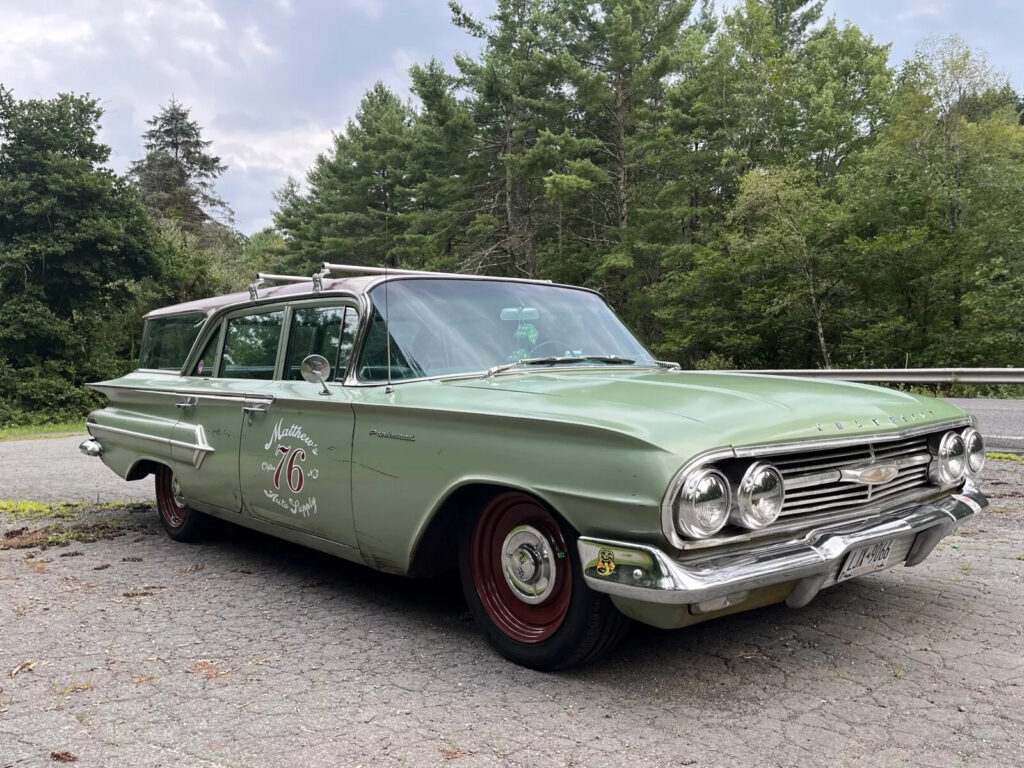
{"points": [[253, 45], [373, 9], [285, 152], [29, 42]]}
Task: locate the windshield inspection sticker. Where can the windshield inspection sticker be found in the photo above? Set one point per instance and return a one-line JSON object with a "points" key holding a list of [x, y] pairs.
{"points": [[290, 448]]}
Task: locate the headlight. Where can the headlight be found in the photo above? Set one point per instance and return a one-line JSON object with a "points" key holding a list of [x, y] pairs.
{"points": [[975, 446], [761, 493], [702, 507], [950, 463]]}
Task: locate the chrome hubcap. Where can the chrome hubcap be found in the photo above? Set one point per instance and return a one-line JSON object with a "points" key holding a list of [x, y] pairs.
{"points": [[528, 564], [179, 497]]}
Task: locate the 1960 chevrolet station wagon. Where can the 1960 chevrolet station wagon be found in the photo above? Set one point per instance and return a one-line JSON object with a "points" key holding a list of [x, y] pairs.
{"points": [[414, 421]]}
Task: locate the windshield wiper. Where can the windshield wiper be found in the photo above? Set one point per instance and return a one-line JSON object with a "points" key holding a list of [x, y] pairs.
{"points": [[559, 360]]}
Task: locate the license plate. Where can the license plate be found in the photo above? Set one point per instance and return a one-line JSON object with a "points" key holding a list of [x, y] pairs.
{"points": [[866, 559]]}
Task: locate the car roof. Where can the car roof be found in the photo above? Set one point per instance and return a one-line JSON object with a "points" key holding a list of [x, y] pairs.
{"points": [[351, 285], [212, 304]]}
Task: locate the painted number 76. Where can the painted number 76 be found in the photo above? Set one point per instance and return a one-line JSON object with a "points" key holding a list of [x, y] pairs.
{"points": [[294, 475]]}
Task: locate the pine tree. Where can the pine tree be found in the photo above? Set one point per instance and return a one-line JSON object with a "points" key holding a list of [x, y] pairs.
{"points": [[358, 192], [176, 177]]}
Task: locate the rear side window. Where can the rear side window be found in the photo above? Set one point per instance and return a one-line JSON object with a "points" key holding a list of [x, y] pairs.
{"points": [[250, 349], [166, 341], [326, 331]]}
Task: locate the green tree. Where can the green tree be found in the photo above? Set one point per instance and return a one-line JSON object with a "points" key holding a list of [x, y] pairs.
{"points": [[357, 194], [74, 243], [177, 175], [938, 201]]}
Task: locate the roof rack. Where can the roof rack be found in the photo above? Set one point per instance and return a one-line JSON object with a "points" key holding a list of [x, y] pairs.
{"points": [[262, 278], [327, 268]]}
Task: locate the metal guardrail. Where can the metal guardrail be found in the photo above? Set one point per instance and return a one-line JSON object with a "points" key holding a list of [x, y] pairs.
{"points": [[907, 375]]}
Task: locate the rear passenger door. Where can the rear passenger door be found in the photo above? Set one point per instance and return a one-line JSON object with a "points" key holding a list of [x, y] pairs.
{"points": [[295, 458], [231, 381]]}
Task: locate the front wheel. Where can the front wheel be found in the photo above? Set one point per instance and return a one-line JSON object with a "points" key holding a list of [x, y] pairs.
{"points": [[181, 522], [522, 579]]}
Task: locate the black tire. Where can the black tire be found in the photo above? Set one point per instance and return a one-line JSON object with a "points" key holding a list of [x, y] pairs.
{"points": [[181, 522], [570, 625]]}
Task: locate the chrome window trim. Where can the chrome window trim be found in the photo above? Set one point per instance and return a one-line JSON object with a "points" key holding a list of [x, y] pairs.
{"points": [[266, 304], [201, 394], [774, 449]]}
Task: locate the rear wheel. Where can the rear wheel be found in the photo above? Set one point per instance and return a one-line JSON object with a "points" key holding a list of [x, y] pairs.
{"points": [[522, 579], [181, 522]]}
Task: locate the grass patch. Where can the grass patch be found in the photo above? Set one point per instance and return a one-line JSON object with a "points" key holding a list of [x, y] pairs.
{"points": [[33, 431], [59, 535], [34, 511], [1006, 457]]}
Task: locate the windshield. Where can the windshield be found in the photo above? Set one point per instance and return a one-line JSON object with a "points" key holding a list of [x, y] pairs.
{"points": [[441, 327]]}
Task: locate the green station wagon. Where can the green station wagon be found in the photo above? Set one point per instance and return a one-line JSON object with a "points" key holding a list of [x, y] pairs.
{"points": [[417, 422]]}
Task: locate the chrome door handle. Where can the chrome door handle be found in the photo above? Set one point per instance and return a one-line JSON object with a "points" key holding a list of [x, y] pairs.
{"points": [[257, 408], [188, 402]]}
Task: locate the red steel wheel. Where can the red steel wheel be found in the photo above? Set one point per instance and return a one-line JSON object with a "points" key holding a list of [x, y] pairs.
{"points": [[181, 522], [521, 568]]}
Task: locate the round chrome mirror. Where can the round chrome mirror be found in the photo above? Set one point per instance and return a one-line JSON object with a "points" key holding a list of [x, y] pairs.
{"points": [[315, 369]]}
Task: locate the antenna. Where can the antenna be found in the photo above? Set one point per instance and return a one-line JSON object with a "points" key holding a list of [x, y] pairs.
{"points": [[387, 328]]}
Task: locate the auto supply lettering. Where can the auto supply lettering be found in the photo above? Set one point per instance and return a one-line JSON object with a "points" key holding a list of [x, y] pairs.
{"points": [[290, 447]]}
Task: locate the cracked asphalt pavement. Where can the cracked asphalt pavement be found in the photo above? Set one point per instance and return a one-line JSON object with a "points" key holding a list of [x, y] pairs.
{"points": [[131, 650]]}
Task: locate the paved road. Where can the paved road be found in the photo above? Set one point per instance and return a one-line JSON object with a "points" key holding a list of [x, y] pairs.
{"points": [[1001, 421], [244, 651], [54, 469]]}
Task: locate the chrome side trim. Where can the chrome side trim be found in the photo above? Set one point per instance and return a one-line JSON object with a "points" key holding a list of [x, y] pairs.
{"points": [[200, 448], [812, 560]]}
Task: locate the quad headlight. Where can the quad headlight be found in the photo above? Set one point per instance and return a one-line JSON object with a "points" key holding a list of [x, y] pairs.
{"points": [[702, 506], [760, 497], [974, 444], [950, 463]]}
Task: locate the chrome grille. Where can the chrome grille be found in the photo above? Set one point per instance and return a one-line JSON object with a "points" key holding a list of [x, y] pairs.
{"points": [[814, 483]]}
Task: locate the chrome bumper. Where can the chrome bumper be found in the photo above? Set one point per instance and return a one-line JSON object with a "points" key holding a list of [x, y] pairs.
{"points": [[91, 447], [813, 561]]}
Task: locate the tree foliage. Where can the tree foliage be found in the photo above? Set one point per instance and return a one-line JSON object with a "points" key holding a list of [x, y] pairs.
{"points": [[74, 244], [176, 176], [760, 188]]}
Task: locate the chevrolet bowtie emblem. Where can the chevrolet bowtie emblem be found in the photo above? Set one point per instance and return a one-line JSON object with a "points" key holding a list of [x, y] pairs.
{"points": [[870, 474]]}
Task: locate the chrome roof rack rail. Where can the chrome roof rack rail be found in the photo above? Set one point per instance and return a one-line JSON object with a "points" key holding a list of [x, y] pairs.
{"points": [[388, 271], [327, 267], [262, 278]]}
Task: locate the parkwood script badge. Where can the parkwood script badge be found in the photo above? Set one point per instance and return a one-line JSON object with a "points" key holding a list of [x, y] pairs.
{"points": [[291, 450]]}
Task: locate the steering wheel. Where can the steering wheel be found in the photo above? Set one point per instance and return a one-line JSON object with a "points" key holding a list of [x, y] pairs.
{"points": [[557, 343]]}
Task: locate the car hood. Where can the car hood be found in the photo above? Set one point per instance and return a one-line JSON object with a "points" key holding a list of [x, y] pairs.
{"points": [[687, 411]]}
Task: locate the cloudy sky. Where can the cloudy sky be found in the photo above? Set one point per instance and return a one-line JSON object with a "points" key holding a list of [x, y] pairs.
{"points": [[269, 80]]}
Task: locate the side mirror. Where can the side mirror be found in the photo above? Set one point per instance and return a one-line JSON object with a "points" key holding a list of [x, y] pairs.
{"points": [[315, 369]]}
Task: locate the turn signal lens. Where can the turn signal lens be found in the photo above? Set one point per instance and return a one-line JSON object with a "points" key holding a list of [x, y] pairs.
{"points": [[702, 508], [975, 445], [761, 494]]}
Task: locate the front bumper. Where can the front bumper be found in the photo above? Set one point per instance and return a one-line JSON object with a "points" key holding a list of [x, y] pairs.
{"points": [[813, 561]]}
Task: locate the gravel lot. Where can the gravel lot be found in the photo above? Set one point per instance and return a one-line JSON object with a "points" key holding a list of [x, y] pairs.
{"points": [[132, 650]]}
